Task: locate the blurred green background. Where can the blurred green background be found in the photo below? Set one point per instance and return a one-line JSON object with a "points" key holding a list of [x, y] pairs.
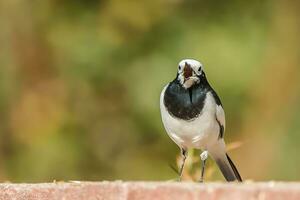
{"points": [[80, 84]]}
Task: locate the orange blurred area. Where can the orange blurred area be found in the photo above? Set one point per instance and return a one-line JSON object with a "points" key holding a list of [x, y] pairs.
{"points": [[80, 83]]}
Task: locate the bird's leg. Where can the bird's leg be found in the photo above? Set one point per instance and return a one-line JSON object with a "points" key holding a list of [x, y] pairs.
{"points": [[183, 154], [203, 157]]}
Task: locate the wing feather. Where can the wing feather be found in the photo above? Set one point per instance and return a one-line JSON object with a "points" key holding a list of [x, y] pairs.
{"points": [[220, 117]]}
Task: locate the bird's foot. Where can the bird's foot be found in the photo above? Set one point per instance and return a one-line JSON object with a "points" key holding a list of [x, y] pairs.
{"points": [[179, 179]]}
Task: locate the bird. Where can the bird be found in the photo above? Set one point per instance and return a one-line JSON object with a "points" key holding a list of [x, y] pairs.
{"points": [[194, 118]]}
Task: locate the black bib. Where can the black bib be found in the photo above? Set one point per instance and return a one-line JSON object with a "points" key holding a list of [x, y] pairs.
{"points": [[188, 103]]}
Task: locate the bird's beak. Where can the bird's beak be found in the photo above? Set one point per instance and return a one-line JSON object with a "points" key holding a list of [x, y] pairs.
{"points": [[187, 71]]}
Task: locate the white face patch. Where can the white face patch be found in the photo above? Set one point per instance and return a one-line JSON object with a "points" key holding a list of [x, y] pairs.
{"points": [[197, 68]]}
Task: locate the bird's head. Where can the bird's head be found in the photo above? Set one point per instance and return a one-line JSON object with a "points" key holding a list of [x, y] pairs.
{"points": [[189, 72]]}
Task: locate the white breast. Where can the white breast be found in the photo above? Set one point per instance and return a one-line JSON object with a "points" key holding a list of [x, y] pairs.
{"points": [[196, 133]]}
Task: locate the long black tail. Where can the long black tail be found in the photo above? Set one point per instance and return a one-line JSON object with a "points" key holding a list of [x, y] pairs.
{"points": [[227, 167], [236, 172]]}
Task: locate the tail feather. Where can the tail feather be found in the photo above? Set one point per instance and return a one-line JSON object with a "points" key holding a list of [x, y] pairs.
{"points": [[236, 172], [227, 168]]}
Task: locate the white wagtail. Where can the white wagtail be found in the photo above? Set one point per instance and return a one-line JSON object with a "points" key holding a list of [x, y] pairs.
{"points": [[193, 117]]}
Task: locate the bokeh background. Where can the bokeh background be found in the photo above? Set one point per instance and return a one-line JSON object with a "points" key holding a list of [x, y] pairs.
{"points": [[80, 84]]}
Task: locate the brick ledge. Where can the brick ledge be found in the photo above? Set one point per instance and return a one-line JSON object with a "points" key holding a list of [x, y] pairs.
{"points": [[119, 190]]}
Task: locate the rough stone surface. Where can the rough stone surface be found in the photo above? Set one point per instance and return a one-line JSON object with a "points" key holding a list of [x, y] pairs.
{"points": [[119, 190]]}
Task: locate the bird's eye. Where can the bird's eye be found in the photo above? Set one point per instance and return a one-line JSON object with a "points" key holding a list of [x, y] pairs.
{"points": [[179, 67], [199, 69]]}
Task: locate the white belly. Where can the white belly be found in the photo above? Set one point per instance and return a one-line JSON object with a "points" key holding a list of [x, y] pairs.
{"points": [[197, 133]]}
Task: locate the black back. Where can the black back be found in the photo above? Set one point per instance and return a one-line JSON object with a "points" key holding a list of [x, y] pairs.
{"points": [[188, 103]]}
